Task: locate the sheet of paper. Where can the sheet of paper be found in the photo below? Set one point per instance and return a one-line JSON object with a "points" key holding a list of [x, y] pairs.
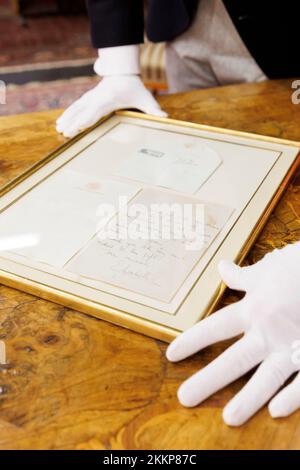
{"points": [[181, 168], [63, 213], [154, 267]]}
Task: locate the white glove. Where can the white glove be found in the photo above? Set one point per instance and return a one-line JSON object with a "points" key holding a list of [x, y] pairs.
{"points": [[121, 87], [269, 315]]}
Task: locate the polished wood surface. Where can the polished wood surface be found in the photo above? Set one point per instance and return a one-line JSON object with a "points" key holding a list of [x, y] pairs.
{"points": [[75, 382]]}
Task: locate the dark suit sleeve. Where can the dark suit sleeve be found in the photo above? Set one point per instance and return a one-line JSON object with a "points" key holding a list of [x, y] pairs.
{"points": [[270, 32], [116, 22], [167, 19]]}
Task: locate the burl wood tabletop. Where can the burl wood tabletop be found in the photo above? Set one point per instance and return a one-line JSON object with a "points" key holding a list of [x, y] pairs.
{"points": [[75, 382]]}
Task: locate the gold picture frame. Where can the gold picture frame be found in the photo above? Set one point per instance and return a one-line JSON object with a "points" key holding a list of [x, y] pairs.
{"points": [[266, 160]]}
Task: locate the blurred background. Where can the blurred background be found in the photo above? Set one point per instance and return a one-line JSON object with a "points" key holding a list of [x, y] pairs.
{"points": [[46, 57]]}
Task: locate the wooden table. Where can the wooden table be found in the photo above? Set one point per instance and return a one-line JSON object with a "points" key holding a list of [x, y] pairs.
{"points": [[75, 382]]}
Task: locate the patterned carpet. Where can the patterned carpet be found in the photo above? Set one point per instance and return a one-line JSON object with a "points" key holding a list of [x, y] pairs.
{"points": [[46, 95], [44, 39]]}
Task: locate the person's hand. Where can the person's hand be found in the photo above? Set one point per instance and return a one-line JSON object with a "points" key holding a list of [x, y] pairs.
{"points": [[269, 317], [121, 87], [112, 93]]}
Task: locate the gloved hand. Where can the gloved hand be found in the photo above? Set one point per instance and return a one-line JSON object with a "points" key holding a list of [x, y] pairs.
{"points": [[121, 87], [269, 317]]}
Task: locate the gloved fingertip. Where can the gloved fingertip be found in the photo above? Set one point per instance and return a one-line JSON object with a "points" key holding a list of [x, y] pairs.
{"points": [[172, 352], [232, 416], [225, 267], [161, 113], [70, 134], [185, 396], [63, 124], [62, 120], [276, 410], [158, 112], [231, 274]]}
